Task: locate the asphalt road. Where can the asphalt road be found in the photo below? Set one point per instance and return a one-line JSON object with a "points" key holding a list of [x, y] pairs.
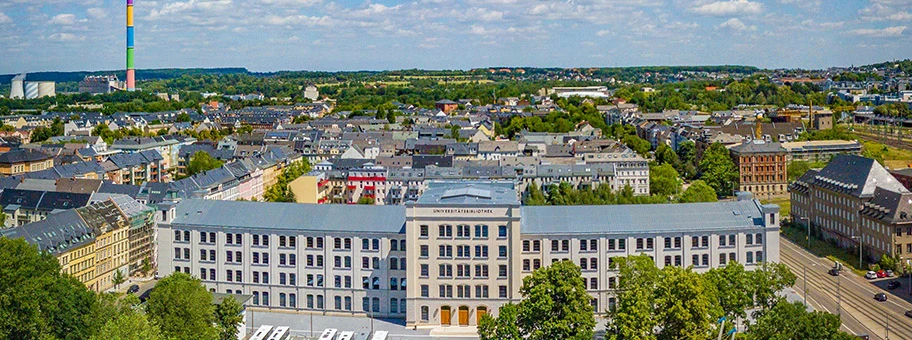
{"points": [[849, 295]]}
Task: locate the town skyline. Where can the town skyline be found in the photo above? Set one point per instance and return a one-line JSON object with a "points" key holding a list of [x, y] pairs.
{"points": [[272, 35]]}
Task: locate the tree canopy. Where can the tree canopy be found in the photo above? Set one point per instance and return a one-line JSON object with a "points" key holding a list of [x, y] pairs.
{"points": [[718, 170], [38, 302], [678, 303], [182, 308], [698, 191], [201, 161], [663, 180], [555, 305]]}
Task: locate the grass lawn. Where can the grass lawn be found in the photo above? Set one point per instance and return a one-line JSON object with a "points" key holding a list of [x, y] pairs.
{"points": [[785, 204], [822, 248]]}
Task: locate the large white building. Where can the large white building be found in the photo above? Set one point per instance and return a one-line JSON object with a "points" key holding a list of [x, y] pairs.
{"points": [[460, 251]]}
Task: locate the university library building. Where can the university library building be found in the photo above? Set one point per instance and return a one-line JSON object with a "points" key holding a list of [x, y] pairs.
{"points": [[457, 253]]}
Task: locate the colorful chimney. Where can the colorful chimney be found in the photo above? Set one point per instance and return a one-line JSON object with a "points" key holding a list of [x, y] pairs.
{"points": [[131, 73]]}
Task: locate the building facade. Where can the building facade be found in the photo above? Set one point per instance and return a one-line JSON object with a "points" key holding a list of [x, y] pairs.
{"points": [[761, 167], [17, 162], [457, 253], [854, 201]]}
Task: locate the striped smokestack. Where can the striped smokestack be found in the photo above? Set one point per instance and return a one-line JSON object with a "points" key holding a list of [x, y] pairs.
{"points": [[131, 73]]}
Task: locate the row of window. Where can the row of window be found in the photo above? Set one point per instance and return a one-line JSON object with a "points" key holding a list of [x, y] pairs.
{"points": [[462, 291], [288, 241], [462, 231]]}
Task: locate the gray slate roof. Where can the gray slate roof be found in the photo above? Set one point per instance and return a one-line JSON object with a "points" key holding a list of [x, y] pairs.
{"points": [[291, 216], [57, 233], [857, 175], [644, 218]]}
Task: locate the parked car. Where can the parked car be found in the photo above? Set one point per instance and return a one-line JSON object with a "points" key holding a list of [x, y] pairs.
{"points": [[833, 272], [889, 273], [871, 275], [133, 289], [893, 285], [881, 273], [880, 297], [909, 313]]}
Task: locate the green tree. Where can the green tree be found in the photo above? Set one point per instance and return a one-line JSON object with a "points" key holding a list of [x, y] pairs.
{"points": [[228, 316], [182, 308], [641, 146], [665, 155], [146, 266], [182, 118], [791, 320], [698, 191], [201, 161], [555, 305], [767, 280], [634, 315], [733, 289], [718, 170], [504, 327], [534, 195], [118, 278], [797, 168], [366, 201], [687, 160], [37, 301], [663, 180], [687, 307], [130, 325]]}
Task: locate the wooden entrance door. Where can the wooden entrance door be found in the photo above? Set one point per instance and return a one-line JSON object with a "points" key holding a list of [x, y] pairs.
{"points": [[463, 316], [480, 312], [445, 315]]}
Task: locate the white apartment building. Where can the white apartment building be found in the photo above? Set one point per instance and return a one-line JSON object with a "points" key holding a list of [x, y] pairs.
{"points": [[459, 252]]}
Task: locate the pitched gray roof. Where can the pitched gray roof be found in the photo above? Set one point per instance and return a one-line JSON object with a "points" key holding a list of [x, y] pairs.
{"points": [[856, 175], [627, 219], [291, 216], [58, 233]]}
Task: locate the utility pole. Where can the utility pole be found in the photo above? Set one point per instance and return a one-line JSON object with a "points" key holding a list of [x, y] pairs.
{"points": [[838, 295], [886, 325], [805, 274]]}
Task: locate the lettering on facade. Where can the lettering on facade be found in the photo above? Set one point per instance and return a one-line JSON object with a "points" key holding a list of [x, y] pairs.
{"points": [[463, 211]]}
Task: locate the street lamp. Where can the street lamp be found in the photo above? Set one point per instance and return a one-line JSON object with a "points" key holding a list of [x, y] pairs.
{"points": [[804, 272]]}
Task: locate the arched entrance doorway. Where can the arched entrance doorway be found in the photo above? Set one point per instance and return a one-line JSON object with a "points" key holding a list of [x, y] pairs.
{"points": [[480, 312], [445, 316], [463, 315]]}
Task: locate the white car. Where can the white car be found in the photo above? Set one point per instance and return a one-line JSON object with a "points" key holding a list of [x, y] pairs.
{"points": [[871, 275]]}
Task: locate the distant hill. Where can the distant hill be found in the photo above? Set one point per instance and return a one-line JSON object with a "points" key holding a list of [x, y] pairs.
{"points": [[902, 65], [165, 73]]}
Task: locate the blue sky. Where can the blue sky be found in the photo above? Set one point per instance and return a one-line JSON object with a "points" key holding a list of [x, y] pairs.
{"points": [[269, 35]]}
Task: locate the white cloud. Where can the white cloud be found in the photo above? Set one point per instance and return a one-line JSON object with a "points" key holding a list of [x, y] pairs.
{"points": [[96, 13], [729, 8], [882, 11], [735, 24], [894, 31], [4, 19], [63, 19], [603, 33], [65, 37]]}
